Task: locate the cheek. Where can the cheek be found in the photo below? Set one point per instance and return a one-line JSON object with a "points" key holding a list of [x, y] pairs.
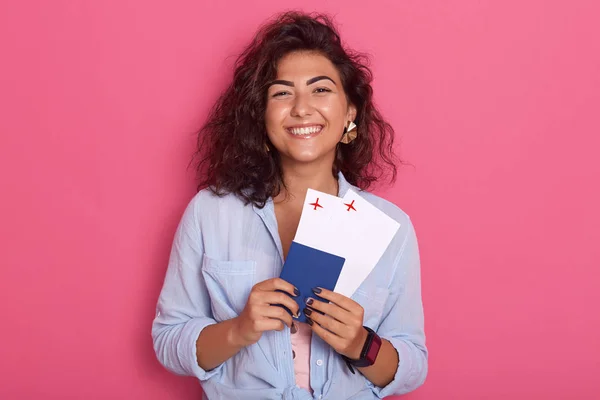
{"points": [[275, 114], [332, 110]]}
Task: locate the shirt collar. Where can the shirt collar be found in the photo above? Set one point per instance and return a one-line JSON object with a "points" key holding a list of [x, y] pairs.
{"points": [[343, 185]]}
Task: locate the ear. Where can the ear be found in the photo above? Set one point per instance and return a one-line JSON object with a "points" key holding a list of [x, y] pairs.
{"points": [[351, 114]]}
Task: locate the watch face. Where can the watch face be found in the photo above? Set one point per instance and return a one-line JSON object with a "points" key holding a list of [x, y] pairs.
{"points": [[373, 350]]}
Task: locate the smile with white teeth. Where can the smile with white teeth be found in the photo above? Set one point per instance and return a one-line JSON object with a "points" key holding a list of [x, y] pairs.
{"points": [[309, 130]]}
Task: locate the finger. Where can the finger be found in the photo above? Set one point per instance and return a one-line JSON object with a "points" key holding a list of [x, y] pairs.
{"points": [[269, 324], [331, 309], [276, 313], [339, 299], [329, 338], [278, 284], [283, 299], [325, 321]]}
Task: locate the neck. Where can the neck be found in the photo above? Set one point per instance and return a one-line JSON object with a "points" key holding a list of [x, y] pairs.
{"points": [[299, 178]]}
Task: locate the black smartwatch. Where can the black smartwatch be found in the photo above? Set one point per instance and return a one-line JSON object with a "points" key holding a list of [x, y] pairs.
{"points": [[369, 352]]}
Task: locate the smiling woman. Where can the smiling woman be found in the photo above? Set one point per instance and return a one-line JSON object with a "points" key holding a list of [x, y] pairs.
{"points": [[266, 81], [299, 114]]}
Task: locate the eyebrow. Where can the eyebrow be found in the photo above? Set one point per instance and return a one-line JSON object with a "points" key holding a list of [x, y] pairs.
{"points": [[308, 82]]}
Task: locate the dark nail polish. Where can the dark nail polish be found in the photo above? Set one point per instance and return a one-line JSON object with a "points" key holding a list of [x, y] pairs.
{"points": [[310, 321], [296, 292], [307, 311], [317, 290], [309, 301]]}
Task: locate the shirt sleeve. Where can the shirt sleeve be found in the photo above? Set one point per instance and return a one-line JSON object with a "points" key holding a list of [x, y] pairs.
{"points": [[183, 308], [403, 322]]}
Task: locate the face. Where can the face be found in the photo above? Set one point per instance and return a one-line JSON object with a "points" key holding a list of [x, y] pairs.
{"points": [[307, 109]]}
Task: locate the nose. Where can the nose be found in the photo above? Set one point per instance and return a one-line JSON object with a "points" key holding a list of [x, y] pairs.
{"points": [[301, 107]]}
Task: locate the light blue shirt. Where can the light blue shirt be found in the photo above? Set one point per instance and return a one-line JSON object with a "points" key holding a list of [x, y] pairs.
{"points": [[222, 248]]}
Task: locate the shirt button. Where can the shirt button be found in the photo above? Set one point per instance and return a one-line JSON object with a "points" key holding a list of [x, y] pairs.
{"points": [[319, 362]]}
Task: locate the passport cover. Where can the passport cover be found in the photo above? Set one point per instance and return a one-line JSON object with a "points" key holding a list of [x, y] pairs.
{"points": [[308, 268]]}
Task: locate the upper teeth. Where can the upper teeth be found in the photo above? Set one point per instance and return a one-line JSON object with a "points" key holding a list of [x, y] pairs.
{"points": [[305, 131]]}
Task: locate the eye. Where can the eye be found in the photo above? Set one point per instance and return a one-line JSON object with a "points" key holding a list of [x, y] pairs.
{"points": [[322, 90], [279, 94]]}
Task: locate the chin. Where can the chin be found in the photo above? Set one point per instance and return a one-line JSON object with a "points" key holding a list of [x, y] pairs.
{"points": [[306, 157]]}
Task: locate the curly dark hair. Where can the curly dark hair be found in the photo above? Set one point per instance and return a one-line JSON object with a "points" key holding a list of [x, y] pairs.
{"points": [[231, 144]]}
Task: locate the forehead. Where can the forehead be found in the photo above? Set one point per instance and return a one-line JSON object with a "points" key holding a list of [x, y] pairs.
{"points": [[304, 65]]}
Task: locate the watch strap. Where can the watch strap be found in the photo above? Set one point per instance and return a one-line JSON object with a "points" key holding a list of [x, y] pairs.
{"points": [[368, 353]]}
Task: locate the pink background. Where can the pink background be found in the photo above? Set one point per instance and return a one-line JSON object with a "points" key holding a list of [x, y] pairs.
{"points": [[497, 106]]}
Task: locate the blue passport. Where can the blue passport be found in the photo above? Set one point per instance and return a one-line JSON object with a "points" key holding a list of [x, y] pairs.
{"points": [[307, 268]]}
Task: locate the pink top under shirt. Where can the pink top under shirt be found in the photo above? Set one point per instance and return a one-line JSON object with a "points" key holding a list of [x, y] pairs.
{"points": [[301, 335]]}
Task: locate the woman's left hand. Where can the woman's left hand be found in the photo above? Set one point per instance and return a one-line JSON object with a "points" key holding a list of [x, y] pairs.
{"points": [[340, 325]]}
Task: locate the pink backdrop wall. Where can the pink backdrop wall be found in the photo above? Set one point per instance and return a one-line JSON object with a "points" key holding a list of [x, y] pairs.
{"points": [[497, 106]]}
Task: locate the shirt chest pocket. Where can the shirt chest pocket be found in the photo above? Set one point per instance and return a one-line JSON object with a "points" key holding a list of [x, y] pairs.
{"points": [[229, 284], [373, 302]]}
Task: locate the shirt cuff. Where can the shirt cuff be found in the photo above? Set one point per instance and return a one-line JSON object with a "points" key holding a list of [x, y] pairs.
{"points": [[187, 348], [410, 373]]}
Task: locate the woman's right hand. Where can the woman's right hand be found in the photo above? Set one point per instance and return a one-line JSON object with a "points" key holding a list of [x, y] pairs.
{"points": [[261, 315]]}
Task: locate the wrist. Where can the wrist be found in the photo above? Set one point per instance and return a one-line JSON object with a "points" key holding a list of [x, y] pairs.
{"points": [[368, 353], [234, 338], [354, 354]]}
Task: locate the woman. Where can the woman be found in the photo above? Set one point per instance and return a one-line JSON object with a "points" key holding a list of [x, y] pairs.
{"points": [[299, 114]]}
